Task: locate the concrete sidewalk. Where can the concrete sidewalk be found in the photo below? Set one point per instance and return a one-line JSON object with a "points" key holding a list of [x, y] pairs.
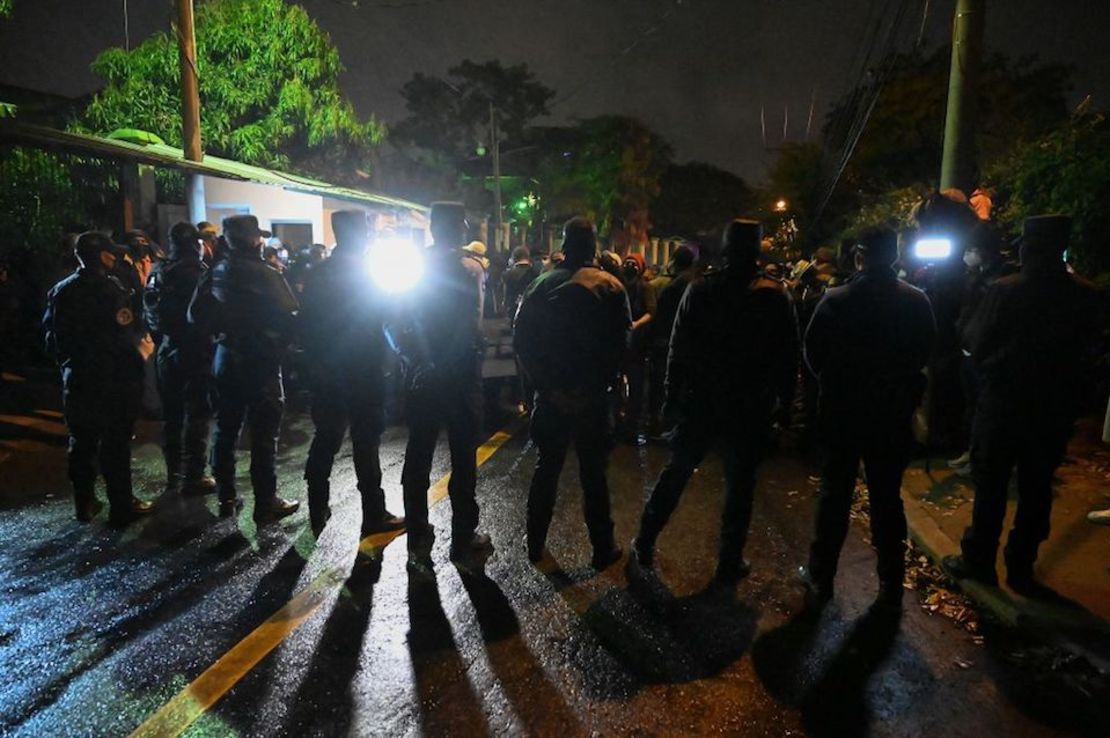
{"points": [[1074, 562]]}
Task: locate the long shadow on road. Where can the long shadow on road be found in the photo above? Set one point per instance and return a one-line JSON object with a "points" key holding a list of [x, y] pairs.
{"points": [[828, 684], [537, 703]]}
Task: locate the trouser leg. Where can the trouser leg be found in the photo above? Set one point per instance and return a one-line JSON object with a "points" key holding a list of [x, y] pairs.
{"points": [[742, 455], [231, 409], [888, 519], [834, 502], [1036, 465], [550, 433], [993, 455], [366, 432], [172, 392], [423, 421], [329, 417], [592, 444], [688, 447], [463, 427], [198, 417], [81, 460], [115, 456], [657, 375], [264, 418]]}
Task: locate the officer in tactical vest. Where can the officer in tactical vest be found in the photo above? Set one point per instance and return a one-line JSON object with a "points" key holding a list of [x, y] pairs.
{"points": [[183, 362], [93, 332], [342, 331], [441, 344], [250, 309], [733, 359]]}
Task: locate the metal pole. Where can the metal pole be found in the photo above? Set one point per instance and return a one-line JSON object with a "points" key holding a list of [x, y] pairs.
{"points": [[958, 166], [495, 146], [190, 107]]}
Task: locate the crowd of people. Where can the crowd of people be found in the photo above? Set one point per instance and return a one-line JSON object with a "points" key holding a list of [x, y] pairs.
{"points": [[607, 347]]}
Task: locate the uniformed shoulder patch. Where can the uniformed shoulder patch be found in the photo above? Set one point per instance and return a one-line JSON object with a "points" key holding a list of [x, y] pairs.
{"points": [[124, 316]]}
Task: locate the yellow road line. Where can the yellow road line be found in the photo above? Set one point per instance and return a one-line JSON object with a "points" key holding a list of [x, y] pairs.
{"points": [[174, 717]]}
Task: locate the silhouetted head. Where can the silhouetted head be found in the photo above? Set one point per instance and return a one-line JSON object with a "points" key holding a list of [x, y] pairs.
{"points": [[447, 221], [242, 232], [184, 240], [684, 257], [96, 251], [1044, 239], [352, 230], [579, 240], [521, 253], [877, 246], [741, 243]]}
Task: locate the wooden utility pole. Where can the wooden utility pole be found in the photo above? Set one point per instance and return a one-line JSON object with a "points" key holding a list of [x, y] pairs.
{"points": [[495, 148], [190, 107], [959, 163]]}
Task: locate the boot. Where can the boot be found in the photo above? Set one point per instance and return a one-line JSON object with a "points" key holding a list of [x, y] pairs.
{"points": [[87, 506], [121, 515], [273, 510]]}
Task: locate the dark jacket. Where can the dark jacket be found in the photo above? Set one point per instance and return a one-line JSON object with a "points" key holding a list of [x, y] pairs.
{"points": [[92, 330], [516, 280], [169, 290], [867, 343], [666, 306], [734, 345], [247, 305], [341, 325], [572, 330], [1034, 340], [439, 334]]}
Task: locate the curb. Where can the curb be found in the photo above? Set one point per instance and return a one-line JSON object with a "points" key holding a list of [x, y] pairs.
{"points": [[1082, 632]]}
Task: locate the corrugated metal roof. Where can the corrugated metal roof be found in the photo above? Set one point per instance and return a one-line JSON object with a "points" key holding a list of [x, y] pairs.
{"points": [[163, 155]]}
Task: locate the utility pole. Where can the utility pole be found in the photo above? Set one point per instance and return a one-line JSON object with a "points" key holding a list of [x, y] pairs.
{"points": [[495, 147], [958, 165], [190, 108]]}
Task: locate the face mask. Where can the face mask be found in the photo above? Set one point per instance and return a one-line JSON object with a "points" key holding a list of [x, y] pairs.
{"points": [[973, 259], [630, 271]]}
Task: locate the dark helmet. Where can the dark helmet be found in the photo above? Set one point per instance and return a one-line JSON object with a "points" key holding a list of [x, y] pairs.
{"points": [[351, 227], [1044, 238]]}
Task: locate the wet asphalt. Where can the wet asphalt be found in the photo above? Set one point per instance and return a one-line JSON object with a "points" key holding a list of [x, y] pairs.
{"points": [[100, 628]]}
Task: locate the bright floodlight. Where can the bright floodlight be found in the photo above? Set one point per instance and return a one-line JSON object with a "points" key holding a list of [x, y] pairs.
{"points": [[933, 249], [395, 264]]}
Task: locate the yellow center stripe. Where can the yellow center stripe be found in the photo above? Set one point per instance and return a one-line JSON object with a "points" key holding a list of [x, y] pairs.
{"points": [[174, 717]]}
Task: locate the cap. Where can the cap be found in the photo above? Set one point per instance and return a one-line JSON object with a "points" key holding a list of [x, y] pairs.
{"points": [[476, 247], [207, 230], [743, 239], [243, 227], [90, 243]]}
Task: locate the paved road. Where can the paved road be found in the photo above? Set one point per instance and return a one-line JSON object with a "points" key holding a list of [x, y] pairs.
{"points": [[99, 630]]}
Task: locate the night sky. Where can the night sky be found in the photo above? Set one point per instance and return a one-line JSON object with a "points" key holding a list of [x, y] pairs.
{"points": [[695, 70]]}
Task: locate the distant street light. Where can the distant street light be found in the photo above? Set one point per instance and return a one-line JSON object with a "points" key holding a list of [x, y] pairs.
{"points": [[780, 206]]}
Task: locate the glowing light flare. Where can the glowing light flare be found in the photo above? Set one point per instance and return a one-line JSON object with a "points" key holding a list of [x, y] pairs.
{"points": [[395, 264], [933, 249]]}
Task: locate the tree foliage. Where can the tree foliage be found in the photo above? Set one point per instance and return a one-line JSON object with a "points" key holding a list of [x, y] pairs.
{"points": [[698, 198], [1065, 171], [269, 90], [902, 142], [609, 168], [451, 115]]}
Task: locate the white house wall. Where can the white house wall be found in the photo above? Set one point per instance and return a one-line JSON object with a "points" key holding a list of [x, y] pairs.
{"points": [[269, 204]]}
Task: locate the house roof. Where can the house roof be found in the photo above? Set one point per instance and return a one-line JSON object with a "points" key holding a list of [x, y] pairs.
{"points": [[160, 154]]}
